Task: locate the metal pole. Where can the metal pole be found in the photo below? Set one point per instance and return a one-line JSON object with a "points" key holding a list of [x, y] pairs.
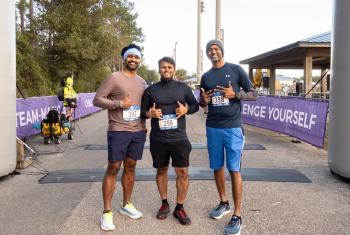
{"points": [[199, 56], [218, 21], [175, 52], [339, 126], [8, 89]]}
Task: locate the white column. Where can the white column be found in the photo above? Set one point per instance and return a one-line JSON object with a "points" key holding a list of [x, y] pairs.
{"points": [[339, 126], [8, 87], [199, 52], [324, 80], [272, 83], [307, 75]]}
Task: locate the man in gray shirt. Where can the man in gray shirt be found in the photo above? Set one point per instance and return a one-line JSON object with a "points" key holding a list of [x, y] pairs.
{"points": [[121, 94]]}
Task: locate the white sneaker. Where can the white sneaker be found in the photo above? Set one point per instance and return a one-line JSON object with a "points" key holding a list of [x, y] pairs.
{"points": [[130, 211], [107, 221]]}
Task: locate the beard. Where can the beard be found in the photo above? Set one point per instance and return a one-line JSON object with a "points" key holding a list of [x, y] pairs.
{"points": [[214, 58], [131, 67]]}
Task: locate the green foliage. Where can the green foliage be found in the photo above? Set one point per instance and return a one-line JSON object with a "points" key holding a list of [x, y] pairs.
{"points": [[90, 79], [30, 76], [147, 74], [83, 37], [181, 74]]}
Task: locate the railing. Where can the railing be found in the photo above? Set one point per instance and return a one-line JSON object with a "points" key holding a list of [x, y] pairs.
{"points": [[314, 95]]}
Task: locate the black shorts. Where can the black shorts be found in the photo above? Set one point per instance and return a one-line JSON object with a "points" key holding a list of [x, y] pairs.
{"points": [[178, 151]]}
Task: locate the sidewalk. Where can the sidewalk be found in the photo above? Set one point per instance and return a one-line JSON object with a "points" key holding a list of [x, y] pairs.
{"points": [[322, 206]]}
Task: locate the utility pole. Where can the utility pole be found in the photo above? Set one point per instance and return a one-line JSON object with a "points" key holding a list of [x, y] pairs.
{"points": [[218, 30], [175, 52], [200, 9]]}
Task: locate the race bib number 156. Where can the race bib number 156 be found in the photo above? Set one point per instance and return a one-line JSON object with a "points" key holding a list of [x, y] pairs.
{"points": [[168, 122]]}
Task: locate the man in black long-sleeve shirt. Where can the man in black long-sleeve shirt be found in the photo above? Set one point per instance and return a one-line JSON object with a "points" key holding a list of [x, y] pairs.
{"points": [[166, 103]]}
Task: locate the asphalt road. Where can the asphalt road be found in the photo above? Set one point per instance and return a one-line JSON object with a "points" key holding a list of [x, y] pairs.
{"points": [[319, 207]]}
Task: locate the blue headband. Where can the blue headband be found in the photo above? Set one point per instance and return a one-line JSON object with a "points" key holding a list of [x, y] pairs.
{"points": [[133, 51]]}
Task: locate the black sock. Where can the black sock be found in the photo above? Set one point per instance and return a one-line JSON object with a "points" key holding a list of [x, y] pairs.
{"points": [[224, 203], [179, 206], [240, 218], [106, 211], [165, 201]]}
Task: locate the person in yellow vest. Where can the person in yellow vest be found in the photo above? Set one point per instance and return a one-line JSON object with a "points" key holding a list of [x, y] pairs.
{"points": [[70, 96]]}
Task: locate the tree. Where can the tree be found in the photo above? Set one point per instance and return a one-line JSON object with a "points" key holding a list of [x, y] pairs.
{"points": [[81, 36], [21, 7], [31, 77], [89, 34], [147, 74], [181, 74]]}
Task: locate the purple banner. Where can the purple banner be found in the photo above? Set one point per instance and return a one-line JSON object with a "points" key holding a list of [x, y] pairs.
{"points": [[302, 118], [197, 94], [34, 109], [85, 106]]}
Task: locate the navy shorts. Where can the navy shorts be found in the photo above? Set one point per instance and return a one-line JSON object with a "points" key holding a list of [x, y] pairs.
{"points": [[122, 144], [178, 151]]}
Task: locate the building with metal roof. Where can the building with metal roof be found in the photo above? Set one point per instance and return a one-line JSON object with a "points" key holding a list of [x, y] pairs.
{"points": [[310, 53]]}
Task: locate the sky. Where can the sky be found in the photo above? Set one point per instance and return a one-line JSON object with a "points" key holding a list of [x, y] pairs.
{"points": [[251, 27]]}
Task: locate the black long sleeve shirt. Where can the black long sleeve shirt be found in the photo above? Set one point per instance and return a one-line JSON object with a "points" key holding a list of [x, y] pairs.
{"points": [[165, 94]]}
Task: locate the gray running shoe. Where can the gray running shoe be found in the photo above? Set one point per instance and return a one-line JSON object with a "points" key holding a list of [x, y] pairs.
{"points": [[219, 211], [234, 226]]}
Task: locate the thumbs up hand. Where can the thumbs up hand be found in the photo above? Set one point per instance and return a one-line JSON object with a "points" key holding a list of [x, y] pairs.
{"points": [[227, 92], [127, 101], [154, 112], [181, 110]]}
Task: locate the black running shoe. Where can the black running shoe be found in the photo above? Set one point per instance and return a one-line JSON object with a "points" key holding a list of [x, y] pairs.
{"points": [[163, 211], [182, 217]]}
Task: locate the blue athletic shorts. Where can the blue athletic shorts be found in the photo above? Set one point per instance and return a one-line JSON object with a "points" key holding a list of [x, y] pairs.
{"points": [[123, 144], [225, 142]]}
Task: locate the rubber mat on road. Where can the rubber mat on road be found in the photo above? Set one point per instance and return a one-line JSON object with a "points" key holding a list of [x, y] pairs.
{"points": [[194, 146], [273, 175], [196, 173]]}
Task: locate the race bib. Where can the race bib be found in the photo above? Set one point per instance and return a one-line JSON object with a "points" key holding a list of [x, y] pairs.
{"points": [[219, 100], [132, 113], [168, 122]]}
